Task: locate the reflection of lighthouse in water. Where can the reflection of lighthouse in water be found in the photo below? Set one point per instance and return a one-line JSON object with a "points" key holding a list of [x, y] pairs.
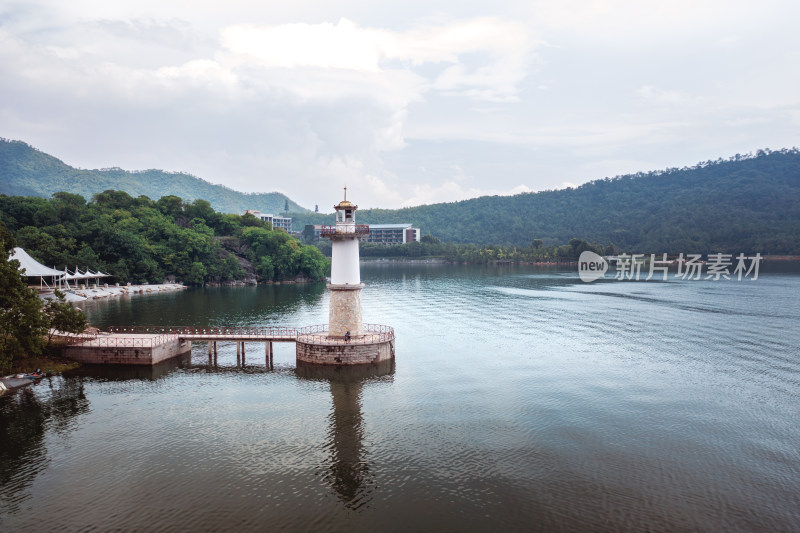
{"points": [[348, 470]]}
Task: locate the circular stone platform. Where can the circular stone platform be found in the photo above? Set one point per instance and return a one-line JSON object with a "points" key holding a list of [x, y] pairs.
{"points": [[315, 345]]}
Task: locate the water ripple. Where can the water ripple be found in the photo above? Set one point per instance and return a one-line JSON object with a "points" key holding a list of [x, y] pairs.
{"points": [[521, 399]]}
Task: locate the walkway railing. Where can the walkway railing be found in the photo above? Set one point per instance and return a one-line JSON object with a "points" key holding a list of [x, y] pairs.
{"points": [[372, 334], [215, 331], [114, 336], [107, 341]]}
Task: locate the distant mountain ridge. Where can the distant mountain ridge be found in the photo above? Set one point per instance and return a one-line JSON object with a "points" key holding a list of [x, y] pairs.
{"points": [[748, 203], [26, 171]]}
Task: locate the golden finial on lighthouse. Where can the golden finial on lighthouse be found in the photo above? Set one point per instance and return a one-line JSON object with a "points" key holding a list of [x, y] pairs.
{"points": [[344, 203]]}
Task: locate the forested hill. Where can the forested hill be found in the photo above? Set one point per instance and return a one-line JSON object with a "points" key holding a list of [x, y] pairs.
{"points": [[141, 240], [744, 204], [25, 171]]}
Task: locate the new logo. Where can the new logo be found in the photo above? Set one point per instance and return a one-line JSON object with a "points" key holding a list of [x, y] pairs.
{"points": [[591, 266]]}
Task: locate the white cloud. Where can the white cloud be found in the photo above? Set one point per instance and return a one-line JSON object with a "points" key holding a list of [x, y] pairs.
{"points": [[408, 103], [325, 45], [660, 96], [505, 46]]}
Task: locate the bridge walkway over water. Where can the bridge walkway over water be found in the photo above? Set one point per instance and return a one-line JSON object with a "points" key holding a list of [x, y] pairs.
{"points": [[214, 334], [137, 343]]}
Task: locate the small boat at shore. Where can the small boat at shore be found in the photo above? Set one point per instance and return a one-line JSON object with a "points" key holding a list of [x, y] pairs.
{"points": [[15, 381], [31, 375]]}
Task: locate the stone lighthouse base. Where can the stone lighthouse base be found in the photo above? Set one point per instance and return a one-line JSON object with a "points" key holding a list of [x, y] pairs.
{"points": [[316, 346]]}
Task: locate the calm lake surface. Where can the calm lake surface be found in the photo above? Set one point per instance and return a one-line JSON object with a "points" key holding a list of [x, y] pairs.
{"points": [[520, 399]]}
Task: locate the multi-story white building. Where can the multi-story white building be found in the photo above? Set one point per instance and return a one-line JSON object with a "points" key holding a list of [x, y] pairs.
{"points": [[283, 223], [389, 234]]}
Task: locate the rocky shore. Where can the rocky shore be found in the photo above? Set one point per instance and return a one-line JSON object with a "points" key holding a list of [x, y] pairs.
{"points": [[105, 291]]}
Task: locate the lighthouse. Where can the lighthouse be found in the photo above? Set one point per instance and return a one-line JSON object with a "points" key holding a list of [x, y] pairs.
{"points": [[345, 340], [345, 285]]}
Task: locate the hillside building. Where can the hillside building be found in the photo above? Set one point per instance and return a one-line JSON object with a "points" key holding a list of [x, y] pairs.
{"points": [[284, 223], [389, 234]]}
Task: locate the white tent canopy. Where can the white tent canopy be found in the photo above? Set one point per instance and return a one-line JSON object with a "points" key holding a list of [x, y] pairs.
{"points": [[33, 268], [85, 275]]}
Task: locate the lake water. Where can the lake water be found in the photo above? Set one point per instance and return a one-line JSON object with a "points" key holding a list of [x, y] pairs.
{"points": [[520, 399]]}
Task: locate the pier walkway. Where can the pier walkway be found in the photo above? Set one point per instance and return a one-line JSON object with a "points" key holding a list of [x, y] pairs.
{"points": [[192, 333], [317, 334], [214, 334], [151, 344]]}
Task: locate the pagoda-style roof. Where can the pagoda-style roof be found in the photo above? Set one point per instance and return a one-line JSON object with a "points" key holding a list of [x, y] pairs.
{"points": [[345, 204]]}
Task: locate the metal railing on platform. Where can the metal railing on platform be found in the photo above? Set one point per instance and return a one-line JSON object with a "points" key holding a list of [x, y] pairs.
{"points": [[218, 331], [349, 229], [108, 341], [372, 334], [114, 336]]}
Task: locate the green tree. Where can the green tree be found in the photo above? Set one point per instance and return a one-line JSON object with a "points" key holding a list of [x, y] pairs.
{"points": [[265, 269], [197, 274], [63, 316], [171, 206], [114, 199], [22, 324], [231, 269]]}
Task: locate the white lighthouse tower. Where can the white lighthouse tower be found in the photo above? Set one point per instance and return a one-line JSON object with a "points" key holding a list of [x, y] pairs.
{"points": [[345, 285], [330, 344]]}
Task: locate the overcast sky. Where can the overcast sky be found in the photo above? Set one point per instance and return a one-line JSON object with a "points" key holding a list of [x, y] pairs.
{"points": [[406, 102]]}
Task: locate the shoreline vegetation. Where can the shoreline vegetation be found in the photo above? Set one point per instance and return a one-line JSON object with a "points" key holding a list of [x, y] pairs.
{"points": [[142, 241], [430, 248], [777, 259], [50, 363]]}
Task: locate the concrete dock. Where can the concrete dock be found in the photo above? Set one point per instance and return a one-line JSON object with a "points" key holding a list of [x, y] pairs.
{"points": [[127, 349]]}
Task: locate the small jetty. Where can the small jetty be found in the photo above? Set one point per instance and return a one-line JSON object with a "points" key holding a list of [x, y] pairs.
{"points": [[144, 348], [151, 345]]}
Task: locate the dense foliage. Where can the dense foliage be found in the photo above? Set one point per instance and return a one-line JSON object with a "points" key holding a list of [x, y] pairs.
{"points": [[744, 204], [26, 171], [22, 325], [535, 252], [24, 319], [141, 240]]}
